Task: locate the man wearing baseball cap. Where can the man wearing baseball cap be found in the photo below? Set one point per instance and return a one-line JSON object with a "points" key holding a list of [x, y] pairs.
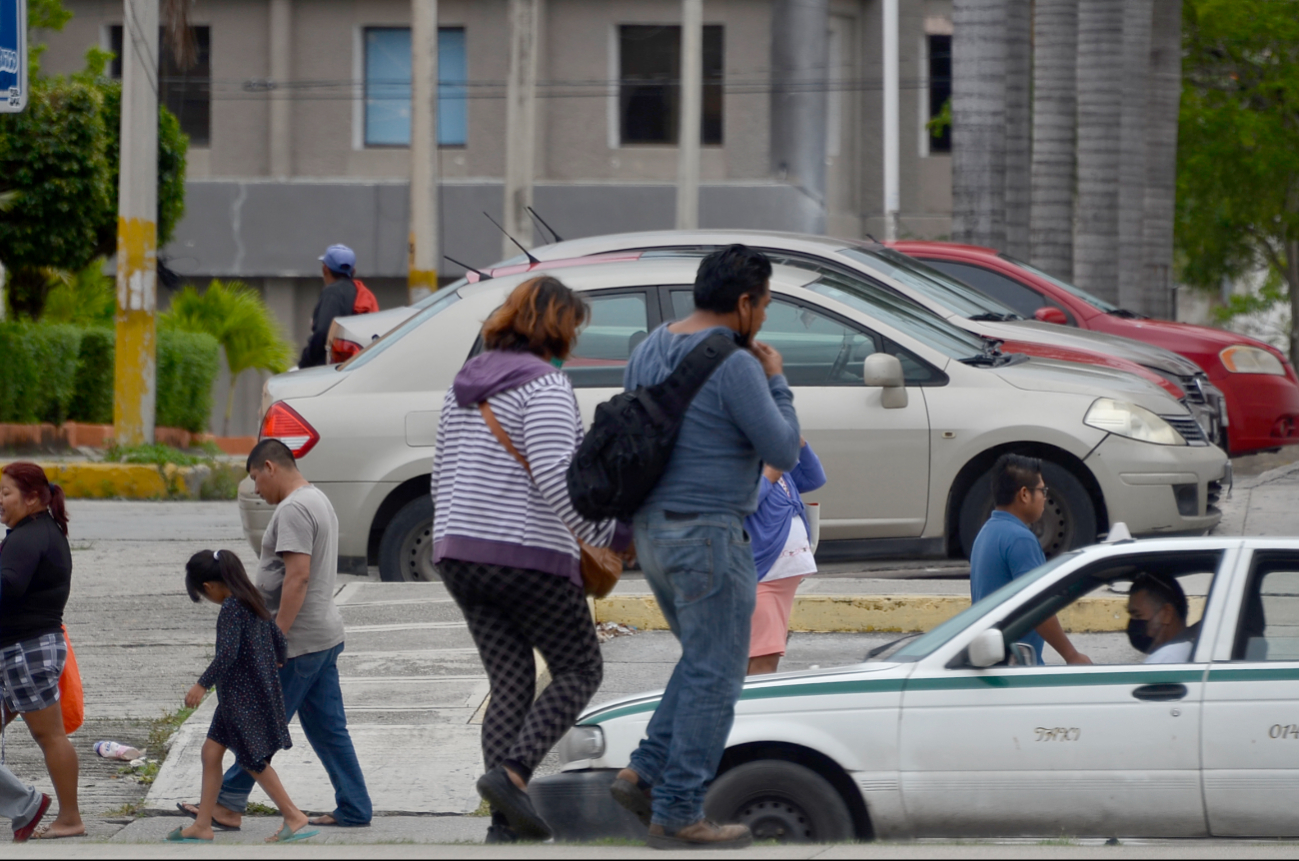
{"points": [[337, 267]]}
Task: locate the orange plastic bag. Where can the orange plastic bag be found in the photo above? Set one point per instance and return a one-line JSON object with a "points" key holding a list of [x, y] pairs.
{"points": [[71, 697]]}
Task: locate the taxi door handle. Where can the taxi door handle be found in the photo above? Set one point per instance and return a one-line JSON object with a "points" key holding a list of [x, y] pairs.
{"points": [[1160, 693]]}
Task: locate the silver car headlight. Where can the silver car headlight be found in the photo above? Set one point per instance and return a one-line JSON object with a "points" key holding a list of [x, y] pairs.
{"points": [[581, 742], [1129, 420], [1243, 359]]}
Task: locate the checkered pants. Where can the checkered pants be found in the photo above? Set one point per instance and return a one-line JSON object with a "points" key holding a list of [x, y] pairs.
{"points": [[510, 611]]}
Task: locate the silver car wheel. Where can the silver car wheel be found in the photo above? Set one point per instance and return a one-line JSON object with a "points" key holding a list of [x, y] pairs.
{"points": [[417, 555]]}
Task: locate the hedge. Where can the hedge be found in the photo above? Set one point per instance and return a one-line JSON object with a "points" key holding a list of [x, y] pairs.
{"points": [[57, 372]]}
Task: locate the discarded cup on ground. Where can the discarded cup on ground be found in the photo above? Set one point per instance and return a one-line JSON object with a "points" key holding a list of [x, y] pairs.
{"points": [[117, 750]]}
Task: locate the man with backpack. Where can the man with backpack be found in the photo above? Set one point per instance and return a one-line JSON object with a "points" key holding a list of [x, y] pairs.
{"points": [[343, 296], [691, 542]]}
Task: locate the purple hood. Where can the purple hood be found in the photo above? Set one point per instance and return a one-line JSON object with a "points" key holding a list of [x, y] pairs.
{"points": [[497, 371]]}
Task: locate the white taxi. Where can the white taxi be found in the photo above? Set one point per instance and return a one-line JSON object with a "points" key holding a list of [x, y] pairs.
{"points": [[946, 734]]}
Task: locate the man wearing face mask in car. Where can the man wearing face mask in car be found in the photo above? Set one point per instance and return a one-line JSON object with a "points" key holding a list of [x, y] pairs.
{"points": [[1157, 607]]}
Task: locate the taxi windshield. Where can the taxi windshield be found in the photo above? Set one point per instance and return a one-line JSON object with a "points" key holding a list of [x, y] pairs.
{"points": [[924, 646]]}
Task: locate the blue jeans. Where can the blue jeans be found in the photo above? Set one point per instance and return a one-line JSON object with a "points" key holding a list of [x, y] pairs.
{"points": [[311, 689], [701, 570]]}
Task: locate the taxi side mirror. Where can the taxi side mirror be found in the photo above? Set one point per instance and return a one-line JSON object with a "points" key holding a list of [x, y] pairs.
{"points": [[1051, 314], [987, 649], [884, 371]]}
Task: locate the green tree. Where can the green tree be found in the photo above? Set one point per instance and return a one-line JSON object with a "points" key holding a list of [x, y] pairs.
{"points": [[236, 316], [52, 158], [1238, 152], [86, 297]]}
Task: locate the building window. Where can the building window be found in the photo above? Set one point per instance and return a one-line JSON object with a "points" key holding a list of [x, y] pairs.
{"points": [[940, 88], [187, 92], [387, 86], [649, 89]]}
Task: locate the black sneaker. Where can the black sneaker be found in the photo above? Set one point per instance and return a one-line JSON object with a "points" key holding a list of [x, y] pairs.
{"points": [[501, 793]]}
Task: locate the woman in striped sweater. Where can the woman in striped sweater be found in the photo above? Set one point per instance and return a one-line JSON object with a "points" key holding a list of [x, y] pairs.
{"points": [[505, 540]]}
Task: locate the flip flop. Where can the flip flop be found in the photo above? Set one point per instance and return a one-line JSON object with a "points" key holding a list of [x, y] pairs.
{"points": [[175, 837], [288, 835], [193, 814]]}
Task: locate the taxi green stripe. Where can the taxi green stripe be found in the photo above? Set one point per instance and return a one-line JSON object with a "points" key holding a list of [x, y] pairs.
{"points": [[1143, 676]]}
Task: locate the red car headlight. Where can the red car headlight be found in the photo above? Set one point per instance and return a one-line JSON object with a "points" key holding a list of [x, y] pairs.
{"points": [[1244, 359]]}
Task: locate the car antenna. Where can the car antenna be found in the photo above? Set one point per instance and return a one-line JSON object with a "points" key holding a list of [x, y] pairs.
{"points": [[531, 259], [482, 276], [543, 223]]}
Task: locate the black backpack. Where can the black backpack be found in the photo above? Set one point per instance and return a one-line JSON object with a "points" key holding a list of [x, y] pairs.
{"points": [[630, 442]]}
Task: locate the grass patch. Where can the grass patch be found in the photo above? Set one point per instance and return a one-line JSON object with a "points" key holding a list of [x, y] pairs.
{"points": [[222, 482], [161, 729], [484, 809], [155, 454], [131, 808], [145, 773], [256, 808]]}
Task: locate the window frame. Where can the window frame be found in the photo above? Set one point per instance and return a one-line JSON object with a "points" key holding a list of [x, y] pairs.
{"points": [[717, 85], [362, 115], [1261, 563], [113, 36]]}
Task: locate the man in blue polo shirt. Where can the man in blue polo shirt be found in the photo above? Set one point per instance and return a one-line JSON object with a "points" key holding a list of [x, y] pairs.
{"points": [[1006, 548]]}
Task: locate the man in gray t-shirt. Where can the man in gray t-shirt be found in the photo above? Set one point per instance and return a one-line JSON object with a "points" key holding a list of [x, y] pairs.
{"points": [[303, 525], [296, 575]]}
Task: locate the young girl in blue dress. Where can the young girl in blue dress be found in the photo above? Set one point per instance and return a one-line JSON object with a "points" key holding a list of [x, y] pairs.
{"points": [[250, 717]]}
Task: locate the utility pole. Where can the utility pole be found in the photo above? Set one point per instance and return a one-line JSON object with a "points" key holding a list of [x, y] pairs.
{"points": [[135, 371], [891, 150], [520, 123], [692, 99], [422, 267], [280, 105]]}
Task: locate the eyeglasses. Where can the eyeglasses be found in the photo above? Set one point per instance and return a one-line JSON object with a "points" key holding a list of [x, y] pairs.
{"points": [[1043, 489]]}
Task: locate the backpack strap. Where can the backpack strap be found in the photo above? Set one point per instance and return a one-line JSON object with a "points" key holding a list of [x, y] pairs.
{"points": [[685, 381]]}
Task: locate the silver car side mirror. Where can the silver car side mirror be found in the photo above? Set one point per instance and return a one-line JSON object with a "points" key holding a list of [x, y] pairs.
{"points": [[1025, 655], [987, 649], [884, 371]]}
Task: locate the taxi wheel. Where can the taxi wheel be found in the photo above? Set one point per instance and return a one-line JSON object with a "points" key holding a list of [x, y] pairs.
{"points": [[780, 801], [1069, 520], [406, 549]]}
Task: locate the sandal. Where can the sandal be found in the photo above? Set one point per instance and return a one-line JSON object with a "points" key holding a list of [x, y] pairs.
{"points": [[177, 837], [288, 835], [184, 807]]}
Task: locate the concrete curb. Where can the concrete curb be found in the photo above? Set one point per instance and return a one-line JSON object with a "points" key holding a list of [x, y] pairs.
{"points": [[860, 613], [125, 480]]}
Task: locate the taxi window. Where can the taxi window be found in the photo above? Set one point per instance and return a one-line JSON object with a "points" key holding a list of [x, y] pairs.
{"points": [[1269, 616], [939, 636], [1110, 580], [618, 322]]}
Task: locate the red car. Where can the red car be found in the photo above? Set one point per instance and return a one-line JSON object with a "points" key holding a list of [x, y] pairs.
{"points": [[1260, 386]]}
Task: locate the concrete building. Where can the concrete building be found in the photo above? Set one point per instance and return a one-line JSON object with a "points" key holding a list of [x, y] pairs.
{"points": [[298, 114]]}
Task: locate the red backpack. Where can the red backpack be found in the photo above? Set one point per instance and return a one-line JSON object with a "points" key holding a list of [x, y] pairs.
{"points": [[365, 302]]}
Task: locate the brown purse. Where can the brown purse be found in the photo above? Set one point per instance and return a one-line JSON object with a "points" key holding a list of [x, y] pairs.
{"points": [[601, 567]]}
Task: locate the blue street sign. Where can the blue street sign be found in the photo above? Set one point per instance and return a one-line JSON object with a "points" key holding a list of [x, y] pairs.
{"points": [[13, 56]]}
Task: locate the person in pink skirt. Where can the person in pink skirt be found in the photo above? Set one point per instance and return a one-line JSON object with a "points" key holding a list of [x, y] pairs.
{"points": [[782, 553]]}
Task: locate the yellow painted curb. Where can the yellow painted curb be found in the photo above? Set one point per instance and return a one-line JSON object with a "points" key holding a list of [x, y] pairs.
{"points": [[858, 613], [118, 480]]}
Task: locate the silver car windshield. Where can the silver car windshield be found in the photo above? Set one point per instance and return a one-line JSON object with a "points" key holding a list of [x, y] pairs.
{"points": [[428, 307], [954, 295], [887, 307], [931, 642], [1094, 301]]}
